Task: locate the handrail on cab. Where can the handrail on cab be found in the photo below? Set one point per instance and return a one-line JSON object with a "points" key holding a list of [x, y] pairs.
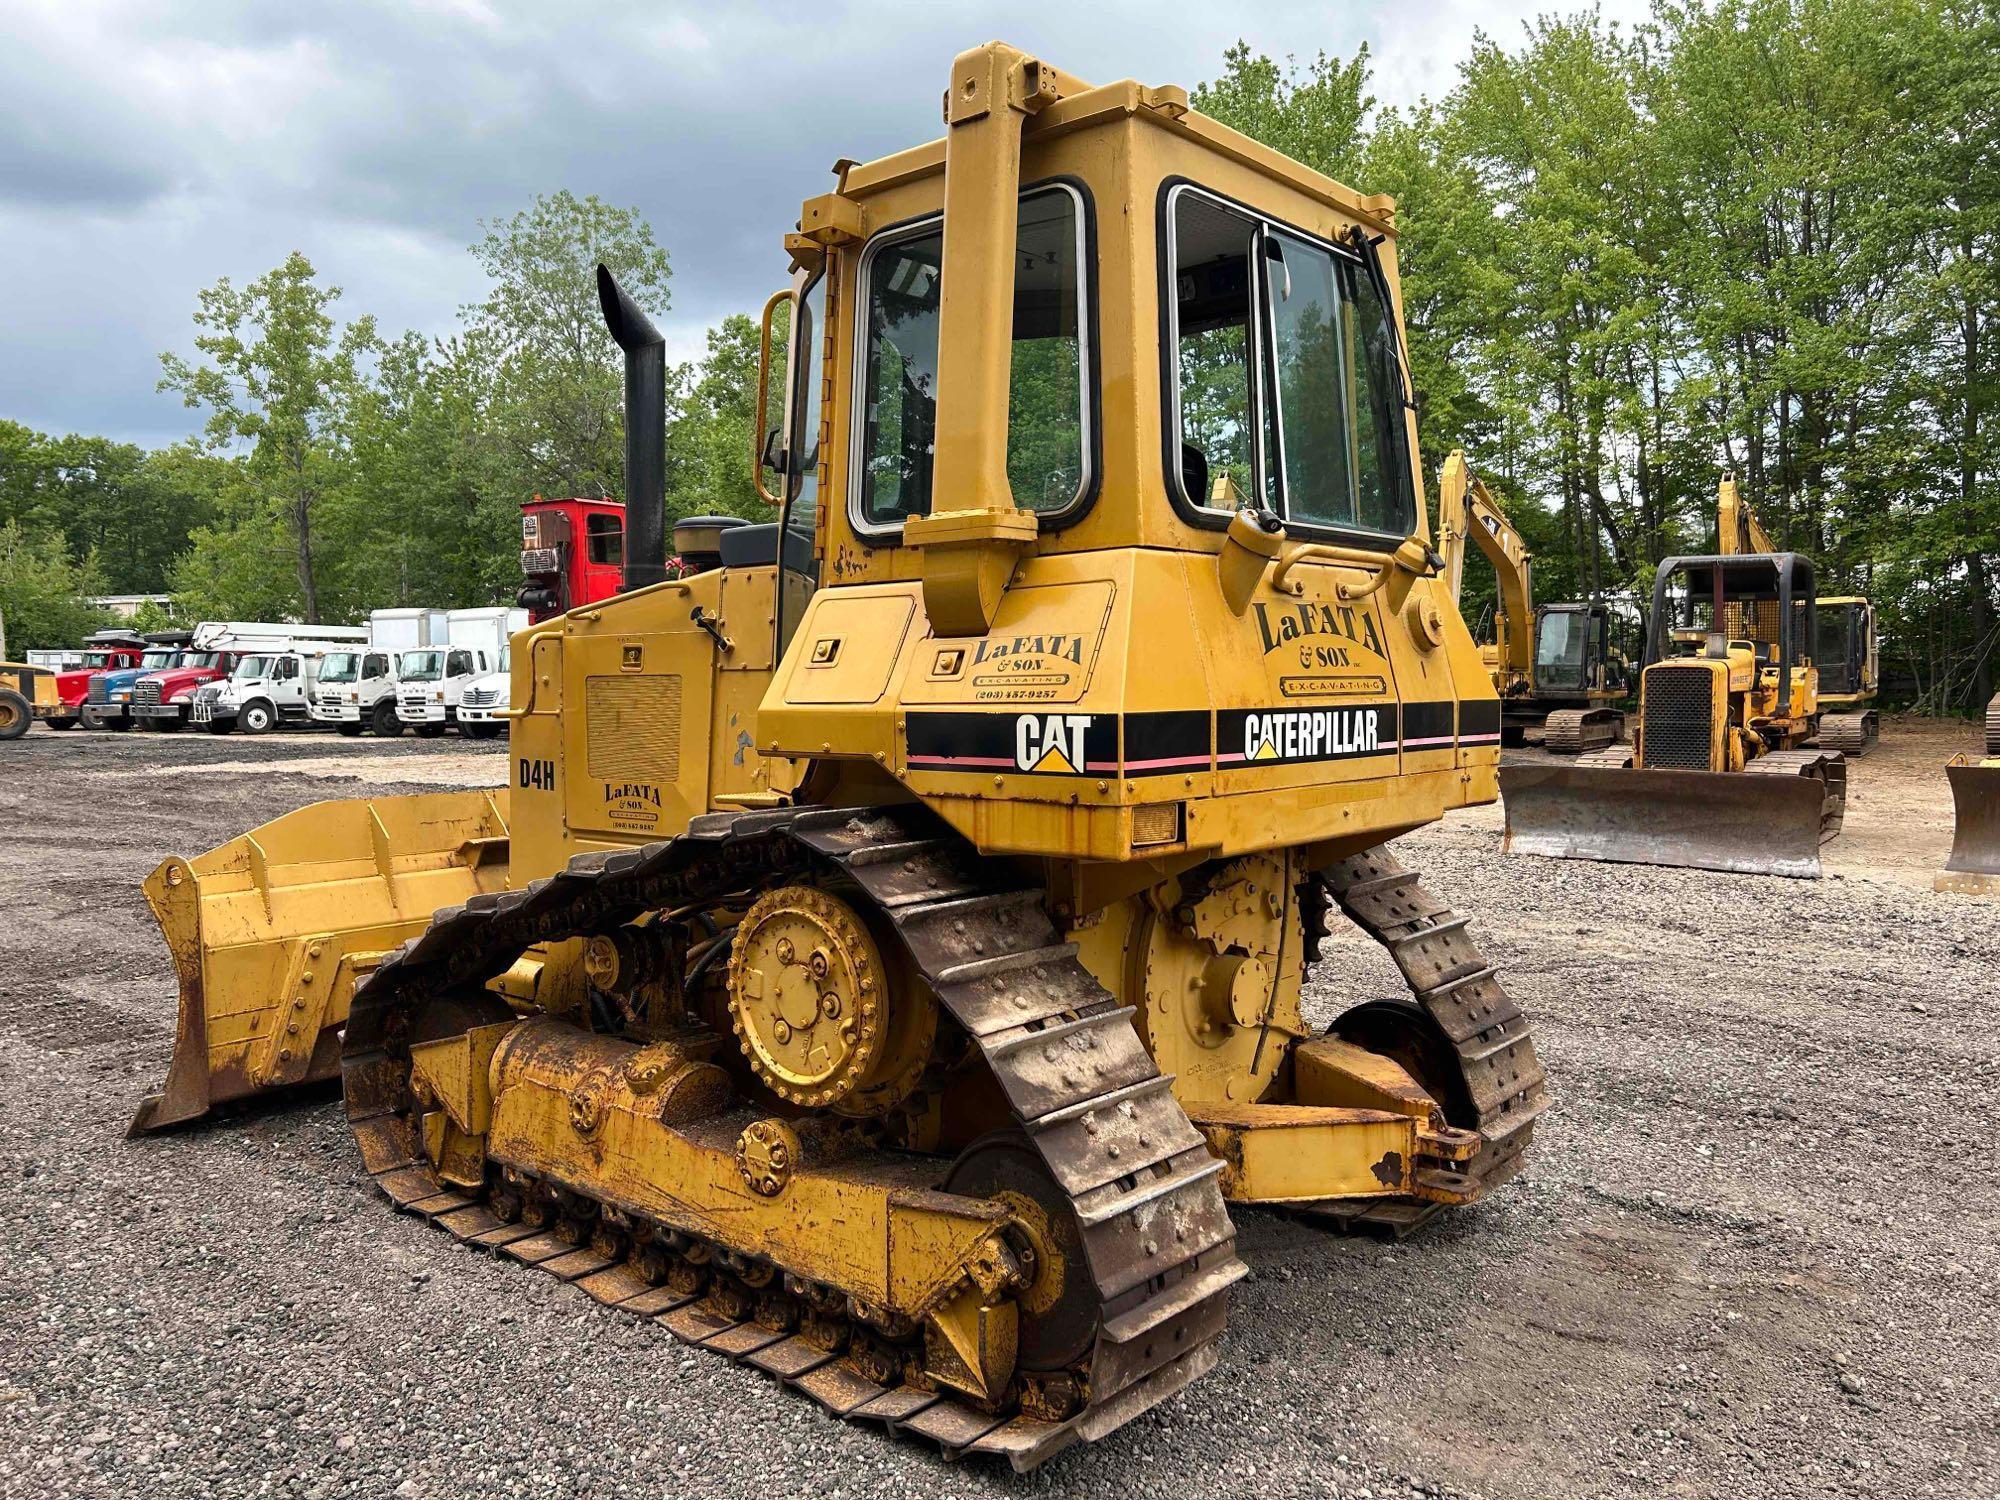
{"points": [[758, 430], [1412, 557]]}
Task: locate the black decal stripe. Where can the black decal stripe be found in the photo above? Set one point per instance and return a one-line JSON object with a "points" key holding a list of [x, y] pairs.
{"points": [[1156, 743], [1479, 721], [1305, 736], [1428, 726]]}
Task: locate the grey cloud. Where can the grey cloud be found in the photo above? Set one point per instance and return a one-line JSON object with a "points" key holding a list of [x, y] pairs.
{"points": [[146, 149]]}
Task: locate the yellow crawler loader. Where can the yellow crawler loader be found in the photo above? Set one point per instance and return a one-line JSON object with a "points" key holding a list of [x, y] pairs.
{"points": [[1974, 866], [886, 965], [1718, 777], [1553, 665]]}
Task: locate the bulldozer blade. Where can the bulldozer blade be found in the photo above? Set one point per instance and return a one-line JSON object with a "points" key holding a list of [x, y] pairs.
{"points": [[1974, 866], [270, 932], [1694, 820]]}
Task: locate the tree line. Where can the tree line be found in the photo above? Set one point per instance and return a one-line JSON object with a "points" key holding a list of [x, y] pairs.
{"points": [[1747, 235], [1755, 236]]}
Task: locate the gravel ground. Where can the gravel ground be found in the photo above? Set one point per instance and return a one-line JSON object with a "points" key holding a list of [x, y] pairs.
{"points": [[1755, 1255]]}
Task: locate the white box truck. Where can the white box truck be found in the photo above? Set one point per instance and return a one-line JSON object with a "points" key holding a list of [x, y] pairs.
{"points": [[482, 710], [357, 690], [433, 679]]}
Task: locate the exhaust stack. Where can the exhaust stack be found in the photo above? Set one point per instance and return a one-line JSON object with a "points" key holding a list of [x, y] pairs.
{"points": [[645, 432]]}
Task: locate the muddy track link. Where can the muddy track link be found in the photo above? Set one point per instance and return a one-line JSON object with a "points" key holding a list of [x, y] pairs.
{"points": [[1141, 1184], [1993, 728], [1573, 731], [1851, 734], [1460, 992]]}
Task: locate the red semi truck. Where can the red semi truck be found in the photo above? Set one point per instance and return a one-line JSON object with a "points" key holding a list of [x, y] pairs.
{"points": [[572, 554]]}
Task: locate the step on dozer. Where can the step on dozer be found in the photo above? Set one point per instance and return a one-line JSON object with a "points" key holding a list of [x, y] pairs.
{"points": [[1974, 866], [894, 973], [1716, 778]]}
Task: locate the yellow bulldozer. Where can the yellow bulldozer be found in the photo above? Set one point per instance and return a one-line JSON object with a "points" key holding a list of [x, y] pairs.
{"points": [[886, 966], [1719, 776], [26, 694], [1560, 678], [1973, 868]]}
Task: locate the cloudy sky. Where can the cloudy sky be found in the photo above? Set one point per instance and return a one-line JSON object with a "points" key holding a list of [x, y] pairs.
{"points": [[148, 148]]}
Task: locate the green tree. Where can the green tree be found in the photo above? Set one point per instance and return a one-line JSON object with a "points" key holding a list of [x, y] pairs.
{"points": [[44, 592], [553, 420], [280, 379]]}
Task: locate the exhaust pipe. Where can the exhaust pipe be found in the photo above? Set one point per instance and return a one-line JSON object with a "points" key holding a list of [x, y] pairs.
{"points": [[645, 432]]}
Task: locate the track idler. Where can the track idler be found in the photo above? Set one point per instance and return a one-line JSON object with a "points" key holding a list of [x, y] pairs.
{"points": [[1769, 819]]}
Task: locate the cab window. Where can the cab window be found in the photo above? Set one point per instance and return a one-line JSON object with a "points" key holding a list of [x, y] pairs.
{"points": [[604, 540], [1287, 384], [1049, 438]]}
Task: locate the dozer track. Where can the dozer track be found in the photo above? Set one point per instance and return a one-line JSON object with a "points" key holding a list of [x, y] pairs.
{"points": [[1491, 1081], [1573, 731], [1850, 734], [1141, 1187]]}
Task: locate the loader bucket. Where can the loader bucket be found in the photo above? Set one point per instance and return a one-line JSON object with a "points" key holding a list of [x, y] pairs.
{"points": [[1694, 820], [1974, 866], [270, 932]]}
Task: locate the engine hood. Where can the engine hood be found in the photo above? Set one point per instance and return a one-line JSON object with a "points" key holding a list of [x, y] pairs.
{"points": [[176, 680]]}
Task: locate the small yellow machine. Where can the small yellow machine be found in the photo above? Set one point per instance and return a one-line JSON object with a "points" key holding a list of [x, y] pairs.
{"points": [[1844, 649], [1718, 777], [1553, 665], [888, 961], [1974, 866], [26, 694]]}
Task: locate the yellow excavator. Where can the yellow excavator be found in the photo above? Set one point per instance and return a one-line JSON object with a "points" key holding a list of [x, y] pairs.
{"points": [[1559, 677], [886, 966], [1844, 649], [1719, 776], [1973, 868]]}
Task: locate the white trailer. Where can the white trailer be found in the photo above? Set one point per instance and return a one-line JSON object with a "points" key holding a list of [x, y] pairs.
{"points": [[357, 689], [434, 679]]}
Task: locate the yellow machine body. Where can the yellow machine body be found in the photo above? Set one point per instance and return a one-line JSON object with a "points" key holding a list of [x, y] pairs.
{"points": [[26, 694], [986, 812]]}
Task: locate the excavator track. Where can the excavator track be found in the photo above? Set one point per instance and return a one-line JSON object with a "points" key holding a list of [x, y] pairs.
{"points": [[1573, 731], [1087, 1102], [1481, 1064]]}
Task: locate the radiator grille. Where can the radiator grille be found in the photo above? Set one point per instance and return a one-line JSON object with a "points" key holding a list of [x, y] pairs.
{"points": [[634, 727], [146, 692], [1679, 702], [98, 691]]}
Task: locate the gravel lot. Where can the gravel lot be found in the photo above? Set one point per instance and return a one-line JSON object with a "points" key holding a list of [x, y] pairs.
{"points": [[1757, 1252]]}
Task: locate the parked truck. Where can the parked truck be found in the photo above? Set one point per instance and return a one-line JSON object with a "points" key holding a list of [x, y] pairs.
{"points": [[357, 689], [105, 651], [572, 554], [266, 689], [164, 700], [107, 697], [482, 711], [433, 679]]}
